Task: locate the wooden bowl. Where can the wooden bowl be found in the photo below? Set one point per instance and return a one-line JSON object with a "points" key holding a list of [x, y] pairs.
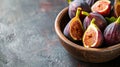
{"points": [[94, 55]]}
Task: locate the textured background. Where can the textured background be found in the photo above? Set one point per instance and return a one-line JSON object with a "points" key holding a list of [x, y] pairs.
{"points": [[28, 39]]}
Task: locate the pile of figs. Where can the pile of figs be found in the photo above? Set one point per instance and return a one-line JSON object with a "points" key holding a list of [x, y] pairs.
{"points": [[95, 23]]}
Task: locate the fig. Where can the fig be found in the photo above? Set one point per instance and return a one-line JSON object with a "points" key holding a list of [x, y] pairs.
{"points": [[90, 2], [102, 6], [112, 2], [69, 1], [74, 29], [117, 8], [93, 36], [100, 20], [112, 33], [75, 4]]}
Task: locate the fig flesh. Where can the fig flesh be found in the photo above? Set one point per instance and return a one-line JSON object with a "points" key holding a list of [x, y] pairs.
{"points": [[74, 29], [100, 20], [102, 6], [112, 33], [75, 4], [93, 36]]}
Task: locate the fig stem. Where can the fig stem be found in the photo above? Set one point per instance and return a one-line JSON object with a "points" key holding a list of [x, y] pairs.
{"points": [[78, 11], [85, 13], [118, 20], [93, 20], [69, 1]]}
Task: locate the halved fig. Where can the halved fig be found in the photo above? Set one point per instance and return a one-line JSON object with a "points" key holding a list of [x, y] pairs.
{"points": [[102, 6], [93, 36], [74, 29], [117, 8]]}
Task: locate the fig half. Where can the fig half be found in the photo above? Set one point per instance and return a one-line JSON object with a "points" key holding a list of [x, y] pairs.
{"points": [[74, 29], [117, 8], [93, 36], [102, 6], [112, 33]]}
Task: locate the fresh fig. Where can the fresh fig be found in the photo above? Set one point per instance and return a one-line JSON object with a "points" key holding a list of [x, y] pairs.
{"points": [[93, 36], [75, 4], [90, 2], [102, 6], [117, 8], [112, 33], [100, 20], [112, 2], [74, 29], [69, 1]]}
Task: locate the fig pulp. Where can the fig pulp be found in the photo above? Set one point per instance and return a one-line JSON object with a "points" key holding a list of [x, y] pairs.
{"points": [[100, 20], [102, 6], [74, 29], [112, 33], [75, 4], [93, 36], [117, 8]]}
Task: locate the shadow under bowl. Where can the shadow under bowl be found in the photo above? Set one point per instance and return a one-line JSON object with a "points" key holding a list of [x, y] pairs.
{"points": [[93, 55]]}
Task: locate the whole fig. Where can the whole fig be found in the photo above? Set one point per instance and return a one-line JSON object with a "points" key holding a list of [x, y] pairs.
{"points": [[100, 20], [90, 2], [75, 4], [112, 33]]}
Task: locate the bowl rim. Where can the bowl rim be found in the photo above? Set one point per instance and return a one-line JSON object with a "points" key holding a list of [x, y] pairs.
{"points": [[61, 36]]}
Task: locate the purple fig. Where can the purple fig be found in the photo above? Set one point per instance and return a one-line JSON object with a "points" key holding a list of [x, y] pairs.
{"points": [[74, 29], [100, 20], [93, 36], [75, 4], [90, 2], [112, 33]]}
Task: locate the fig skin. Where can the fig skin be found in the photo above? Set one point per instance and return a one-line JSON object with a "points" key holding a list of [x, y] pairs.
{"points": [[66, 31], [100, 4], [89, 38], [112, 33], [90, 2], [74, 5], [100, 20], [74, 29]]}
